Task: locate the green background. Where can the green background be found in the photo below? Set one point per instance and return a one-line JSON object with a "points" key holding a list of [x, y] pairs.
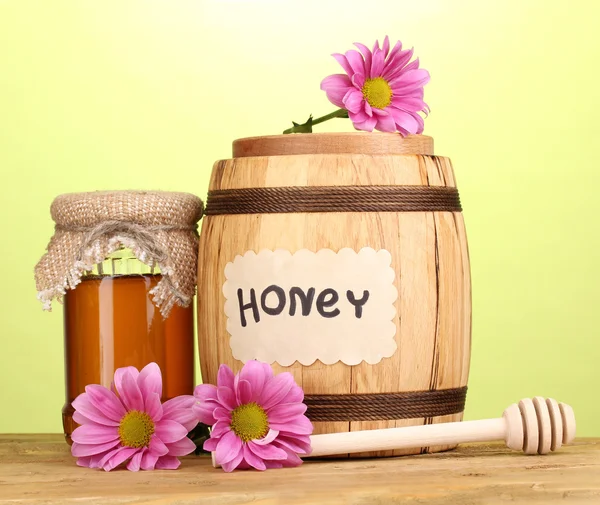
{"points": [[148, 94]]}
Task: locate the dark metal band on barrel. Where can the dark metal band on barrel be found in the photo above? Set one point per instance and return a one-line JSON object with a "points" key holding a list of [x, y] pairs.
{"points": [[385, 406], [297, 199]]}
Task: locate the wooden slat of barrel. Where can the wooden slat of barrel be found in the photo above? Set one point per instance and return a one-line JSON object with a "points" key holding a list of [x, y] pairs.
{"points": [[448, 365]]}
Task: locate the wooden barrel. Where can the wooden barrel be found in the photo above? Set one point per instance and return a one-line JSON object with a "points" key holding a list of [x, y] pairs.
{"points": [[326, 211]]}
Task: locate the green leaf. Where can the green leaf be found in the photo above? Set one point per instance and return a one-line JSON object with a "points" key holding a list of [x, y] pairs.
{"points": [[301, 128]]}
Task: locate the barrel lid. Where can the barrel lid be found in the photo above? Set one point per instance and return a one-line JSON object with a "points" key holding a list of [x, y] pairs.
{"points": [[333, 143]]}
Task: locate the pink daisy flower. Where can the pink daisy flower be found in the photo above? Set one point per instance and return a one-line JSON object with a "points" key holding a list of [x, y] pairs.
{"points": [[129, 423], [257, 418], [381, 90]]}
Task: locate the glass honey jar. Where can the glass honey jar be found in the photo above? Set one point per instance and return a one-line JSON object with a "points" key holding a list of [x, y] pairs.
{"points": [[120, 307]]}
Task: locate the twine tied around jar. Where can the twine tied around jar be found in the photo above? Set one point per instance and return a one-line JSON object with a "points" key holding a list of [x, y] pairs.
{"points": [[160, 228]]}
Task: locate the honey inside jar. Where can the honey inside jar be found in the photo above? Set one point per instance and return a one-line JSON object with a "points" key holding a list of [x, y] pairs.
{"points": [[110, 321]]}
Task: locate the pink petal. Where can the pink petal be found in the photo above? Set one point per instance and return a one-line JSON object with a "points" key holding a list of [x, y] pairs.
{"points": [[154, 407], [157, 446], [117, 457], [368, 56], [409, 80], [182, 402], [276, 389], [94, 434], [394, 52], [377, 64], [353, 100], [79, 418], [228, 448], [244, 392], [299, 426], [167, 463], [292, 460], [386, 46], [368, 109], [226, 397], [181, 409], [85, 461], [170, 431], [358, 80], [380, 112], [234, 463], [106, 402], [296, 395], [130, 393], [367, 125], [134, 464], [408, 103], [211, 444], [222, 414], [253, 460], [255, 372], [182, 447], [394, 67], [267, 451], [299, 445], [405, 120], [386, 123], [202, 393], [82, 450], [273, 464], [356, 62], [355, 117], [413, 65], [186, 417], [83, 405], [414, 93], [117, 384], [150, 381], [269, 437], [204, 413], [109, 454], [219, 429], [343, 61], [335, 93], [206, 395], [421, 123], [225, 377], [91, 461], [149, 460], [285, 412]]}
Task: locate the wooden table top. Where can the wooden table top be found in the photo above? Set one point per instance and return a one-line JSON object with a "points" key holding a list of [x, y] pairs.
{"points": [[38, 469]]}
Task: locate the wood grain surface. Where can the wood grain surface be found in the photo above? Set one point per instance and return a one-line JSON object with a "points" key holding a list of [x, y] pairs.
{"points": [[429, 255], [332, 143], [39, 470]]}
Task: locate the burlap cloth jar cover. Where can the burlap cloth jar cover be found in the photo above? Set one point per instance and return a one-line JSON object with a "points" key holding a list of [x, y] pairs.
{"points": [[160, 228]]}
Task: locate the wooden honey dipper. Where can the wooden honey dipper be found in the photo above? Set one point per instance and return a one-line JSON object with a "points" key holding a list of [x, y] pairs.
{"points": [[535, 426]]}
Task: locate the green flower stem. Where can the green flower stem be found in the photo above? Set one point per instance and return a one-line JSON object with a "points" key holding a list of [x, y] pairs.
{"points": [[307, 127]]}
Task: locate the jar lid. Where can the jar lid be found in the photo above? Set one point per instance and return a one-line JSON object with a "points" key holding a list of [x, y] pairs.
{"points": [[160, 228], [142, 207]]}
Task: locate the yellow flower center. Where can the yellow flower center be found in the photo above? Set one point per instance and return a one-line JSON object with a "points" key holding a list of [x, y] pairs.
{"points": [[249, 422], [377, 92], [136, 429]]}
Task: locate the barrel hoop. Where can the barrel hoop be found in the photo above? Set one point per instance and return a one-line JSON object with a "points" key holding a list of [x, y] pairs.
{"points": [[385, 406], [299, 199]]}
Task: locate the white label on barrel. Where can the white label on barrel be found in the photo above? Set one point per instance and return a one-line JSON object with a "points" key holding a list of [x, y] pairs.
{"points": [[307, 306]]}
